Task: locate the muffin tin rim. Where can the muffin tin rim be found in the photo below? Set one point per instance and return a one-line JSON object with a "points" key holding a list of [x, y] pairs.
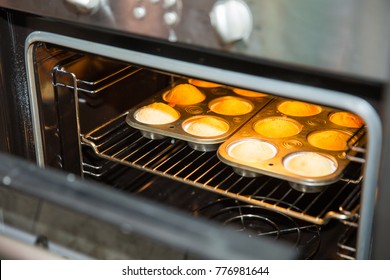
{"points": [[175, 130], [273, 168]]}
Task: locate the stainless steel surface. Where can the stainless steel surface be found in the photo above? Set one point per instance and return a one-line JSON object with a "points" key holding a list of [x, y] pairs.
{"points": [[329, 35], [85, 6], [380, 249], [117, 142], [289, 146], [187, 113]]}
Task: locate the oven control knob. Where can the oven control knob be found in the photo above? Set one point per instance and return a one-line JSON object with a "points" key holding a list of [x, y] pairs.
{"points": [[139, 12], [232, 19], [169, 3], [171, 18], [85, 6]]}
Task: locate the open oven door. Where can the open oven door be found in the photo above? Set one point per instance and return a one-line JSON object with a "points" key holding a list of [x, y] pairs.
{"points": [[96, 216]]}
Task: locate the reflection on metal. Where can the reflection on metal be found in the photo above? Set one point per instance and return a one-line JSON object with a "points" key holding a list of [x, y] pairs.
{"points": [[330, 35]]}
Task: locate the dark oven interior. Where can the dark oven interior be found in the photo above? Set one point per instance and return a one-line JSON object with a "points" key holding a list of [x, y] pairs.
{"points": [[83, 103]]}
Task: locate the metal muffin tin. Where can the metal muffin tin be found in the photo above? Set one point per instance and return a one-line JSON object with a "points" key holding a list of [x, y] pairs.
{"points": [[286, 146], [175, 129]]}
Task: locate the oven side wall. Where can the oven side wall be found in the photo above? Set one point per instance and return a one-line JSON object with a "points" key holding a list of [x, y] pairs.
{"points": [[381, 228], [15, 125]]}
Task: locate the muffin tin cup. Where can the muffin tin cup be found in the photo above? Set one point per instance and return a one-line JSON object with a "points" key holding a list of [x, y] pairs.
{"points": [[175, 129], [308, 189], [286, 146], [246, 173]]}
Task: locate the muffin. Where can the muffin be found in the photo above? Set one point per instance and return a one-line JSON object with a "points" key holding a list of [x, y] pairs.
{"points": [[184, 94], [204, 84], [205, 126], [346, 119], [231, 106], [332, 140], [248, 93], [156, 113], [275, 127], [309, 164], [251, 150], [299, 109]]}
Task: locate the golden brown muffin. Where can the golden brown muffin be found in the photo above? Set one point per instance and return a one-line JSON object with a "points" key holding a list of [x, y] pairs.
{"points": [[251, 150], [156, 113], [332, 140], [277, 127], [205, 126], [309, 164], [184, 94], [248, 93], [204, 84], [299, 109], [346, 119], [230, 106]]}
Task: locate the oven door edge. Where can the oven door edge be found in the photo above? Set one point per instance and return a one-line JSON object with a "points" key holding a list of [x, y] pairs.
{"points": [[286, 89], [129, 214]]}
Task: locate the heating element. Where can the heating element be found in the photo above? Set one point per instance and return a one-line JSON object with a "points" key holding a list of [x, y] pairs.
{"points": [[257, 221]]}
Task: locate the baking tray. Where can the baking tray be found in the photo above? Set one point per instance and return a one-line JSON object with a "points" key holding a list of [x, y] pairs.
{"points": [[288, 146], [175, 129]]}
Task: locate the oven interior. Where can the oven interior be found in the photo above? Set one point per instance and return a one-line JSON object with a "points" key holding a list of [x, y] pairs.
{"points": [[82, 103]]}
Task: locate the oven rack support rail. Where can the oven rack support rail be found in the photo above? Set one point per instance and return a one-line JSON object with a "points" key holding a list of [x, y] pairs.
{"points": [[64, 74], [117, 142], [346, 246]]}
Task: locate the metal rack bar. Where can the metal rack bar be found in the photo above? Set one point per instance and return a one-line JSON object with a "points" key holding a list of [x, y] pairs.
{"points": [[346, 246], [356, 152], [64, 75], [176, 160]]}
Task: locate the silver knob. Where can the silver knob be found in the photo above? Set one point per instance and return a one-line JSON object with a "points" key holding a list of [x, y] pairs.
{"points": [[169, 3], [139, 12], [232, 19], [171, 18], [85, 6]]}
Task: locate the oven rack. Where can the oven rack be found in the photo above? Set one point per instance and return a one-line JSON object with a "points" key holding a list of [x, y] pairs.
{"points": [[346, 246], [251, 220], [356, 145], [109, 73], [119, 143]]}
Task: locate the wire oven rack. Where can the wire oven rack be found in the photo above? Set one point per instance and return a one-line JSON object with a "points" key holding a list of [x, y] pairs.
{"points": [[64, 74], [346, 246], [121, 144]]}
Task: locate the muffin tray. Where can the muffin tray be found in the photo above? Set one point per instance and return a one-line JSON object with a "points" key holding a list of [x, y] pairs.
{"points": [[278, 151], [177, 129]]}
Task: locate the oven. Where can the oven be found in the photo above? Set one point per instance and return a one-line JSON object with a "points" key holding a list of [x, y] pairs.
{"points": [[84, 178]]}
